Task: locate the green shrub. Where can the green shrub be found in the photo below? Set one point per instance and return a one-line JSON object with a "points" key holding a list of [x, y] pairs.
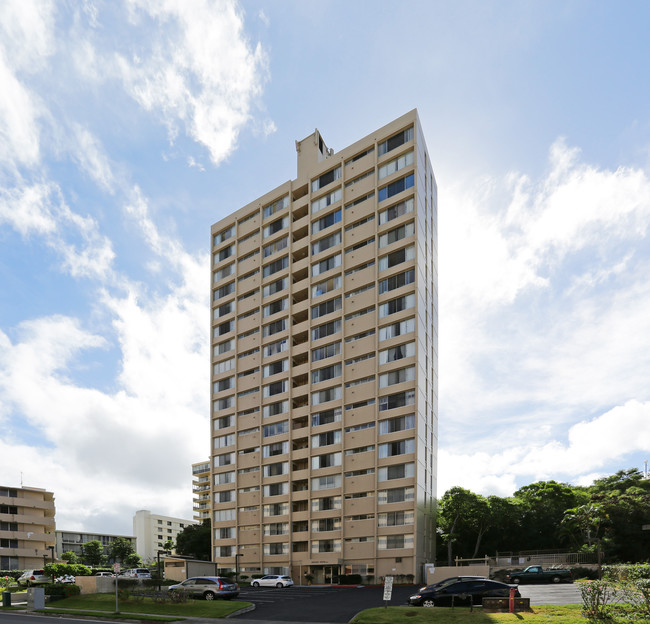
{"points": [[584, 573], [256, 576], [350, 579], [54, 570], [59, 591], [626, 572]]}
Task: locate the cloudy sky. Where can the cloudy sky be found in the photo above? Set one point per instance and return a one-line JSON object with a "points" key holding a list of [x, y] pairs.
{"points": [[128, 127]]}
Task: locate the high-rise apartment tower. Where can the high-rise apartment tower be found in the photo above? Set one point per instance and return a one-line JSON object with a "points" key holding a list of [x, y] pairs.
{"points": [[325, 365]]}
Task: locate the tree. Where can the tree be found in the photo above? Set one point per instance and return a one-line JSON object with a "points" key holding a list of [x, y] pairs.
{"points": [[93, 553], [133, 560], [120, 549], [195, 540], [70, 557]]}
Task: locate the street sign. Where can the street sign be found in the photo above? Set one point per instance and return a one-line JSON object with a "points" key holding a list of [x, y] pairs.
{"points": [[116, 567], [388, 587]]}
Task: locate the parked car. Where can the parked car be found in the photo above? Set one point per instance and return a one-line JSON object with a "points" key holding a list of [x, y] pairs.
{"points": [[140, 573], [462, 593], [536, 574], [108, 574], [29, 578], [450, 580], [208, 587], [273, 580]]}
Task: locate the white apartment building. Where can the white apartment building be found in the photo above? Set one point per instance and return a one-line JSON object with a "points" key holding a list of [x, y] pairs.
{"points": [[153, 531]]}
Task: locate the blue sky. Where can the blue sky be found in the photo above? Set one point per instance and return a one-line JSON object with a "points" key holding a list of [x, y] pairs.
{"points": [[128, 128]]}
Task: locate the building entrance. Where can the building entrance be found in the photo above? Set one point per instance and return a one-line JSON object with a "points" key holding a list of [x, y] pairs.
{"points": [[324, 574]]}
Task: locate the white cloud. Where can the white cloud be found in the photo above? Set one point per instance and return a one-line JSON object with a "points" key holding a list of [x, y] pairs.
{"points": [[200, 71]]}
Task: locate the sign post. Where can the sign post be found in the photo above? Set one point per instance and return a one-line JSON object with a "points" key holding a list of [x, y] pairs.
{"points": [[388, 589], [116, 570]]}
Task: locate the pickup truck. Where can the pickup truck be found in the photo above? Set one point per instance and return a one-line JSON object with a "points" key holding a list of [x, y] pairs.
{"points": [[535, 574]]}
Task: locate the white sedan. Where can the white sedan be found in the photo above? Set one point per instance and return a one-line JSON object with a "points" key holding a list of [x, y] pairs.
{"points": [[273, 580]]}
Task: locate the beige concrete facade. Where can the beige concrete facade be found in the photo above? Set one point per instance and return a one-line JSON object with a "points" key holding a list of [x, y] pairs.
{"points": [[324, 365], [26, 528]]}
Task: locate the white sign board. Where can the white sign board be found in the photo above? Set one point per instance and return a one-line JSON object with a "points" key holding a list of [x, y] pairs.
{"points": [[388, 587], [116, 567]]}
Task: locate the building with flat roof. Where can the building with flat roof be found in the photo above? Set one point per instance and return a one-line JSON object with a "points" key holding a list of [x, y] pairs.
{"points": [[73, 541], [26, 528], [201, 490], [153, 532], [324, 363]]}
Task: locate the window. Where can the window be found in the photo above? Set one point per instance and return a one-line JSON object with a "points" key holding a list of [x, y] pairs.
{"points": [[326, 417], [400, 375], [274, 327], [223, 347], [326, 439], [325, 179], [275, 347], [219, 275], [222, 404], [275, 429], [275, 509], [276, 489], [325, 524], [274, 409], [222, 367], [398, 471], [359, 405], [363, 176], [397, 257], [223, 384], [360, 267], [321, 546], [275, 287], [396, 329], [396, 187], [277, 245], [358, 313], [328, 285], [224, 497], [326, 265], [327, 329], [223, 328], [359, 200], [277, 387], [358, 382], [360, 449], [327, 307], [326, 200], [396, 281], [225, 515], [276, 206], [360, 358], [276, 548], [329, 350], [277, 448], [400, 447], [223, 310], [276, 306], [326, 243], [276, 528], [224, 422], [326, 221], [247, 353], [326, 483], [273, 470], [395, 141], [397, 234], [393, 401], [392, 166], [281, 366], [223, 235], [397, 353], [360, 155], [327, 503], [358, 291], [395, 495], [275, 266], [360, 245], [223, 291], [360, 473], [360, 336], [226, 252], [387, 542], [325, 461], [396, 305], [275, 226], [359, 223], [324, 396], [223, 478], [393, 212], [395, 518], [224, 460]]}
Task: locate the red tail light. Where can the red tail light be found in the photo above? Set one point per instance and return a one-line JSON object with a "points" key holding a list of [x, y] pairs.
{"points": [[220, 584]]}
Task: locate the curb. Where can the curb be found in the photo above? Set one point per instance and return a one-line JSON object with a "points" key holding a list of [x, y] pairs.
{"points": [[241, 611]]}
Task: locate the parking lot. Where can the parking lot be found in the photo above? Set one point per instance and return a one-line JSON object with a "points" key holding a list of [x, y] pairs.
{"points": [[334, 605]]}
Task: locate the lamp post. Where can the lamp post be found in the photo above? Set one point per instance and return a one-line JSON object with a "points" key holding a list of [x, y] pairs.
{"points": [[160, 552], [237, 556], [52, 552]]}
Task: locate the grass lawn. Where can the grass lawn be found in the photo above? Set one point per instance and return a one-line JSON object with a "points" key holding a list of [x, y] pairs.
{"points": [[569, 614], [106, 602]]}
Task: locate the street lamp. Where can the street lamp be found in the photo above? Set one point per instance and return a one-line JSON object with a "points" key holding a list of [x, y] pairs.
{"points": [[160, 552], [52, 551], [237, 555]]}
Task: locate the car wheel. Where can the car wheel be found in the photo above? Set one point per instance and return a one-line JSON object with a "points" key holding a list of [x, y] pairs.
{"points": [[256, 584], [516, 580], [209, 595], [556, 579], [279, 585], [428, 603]]}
